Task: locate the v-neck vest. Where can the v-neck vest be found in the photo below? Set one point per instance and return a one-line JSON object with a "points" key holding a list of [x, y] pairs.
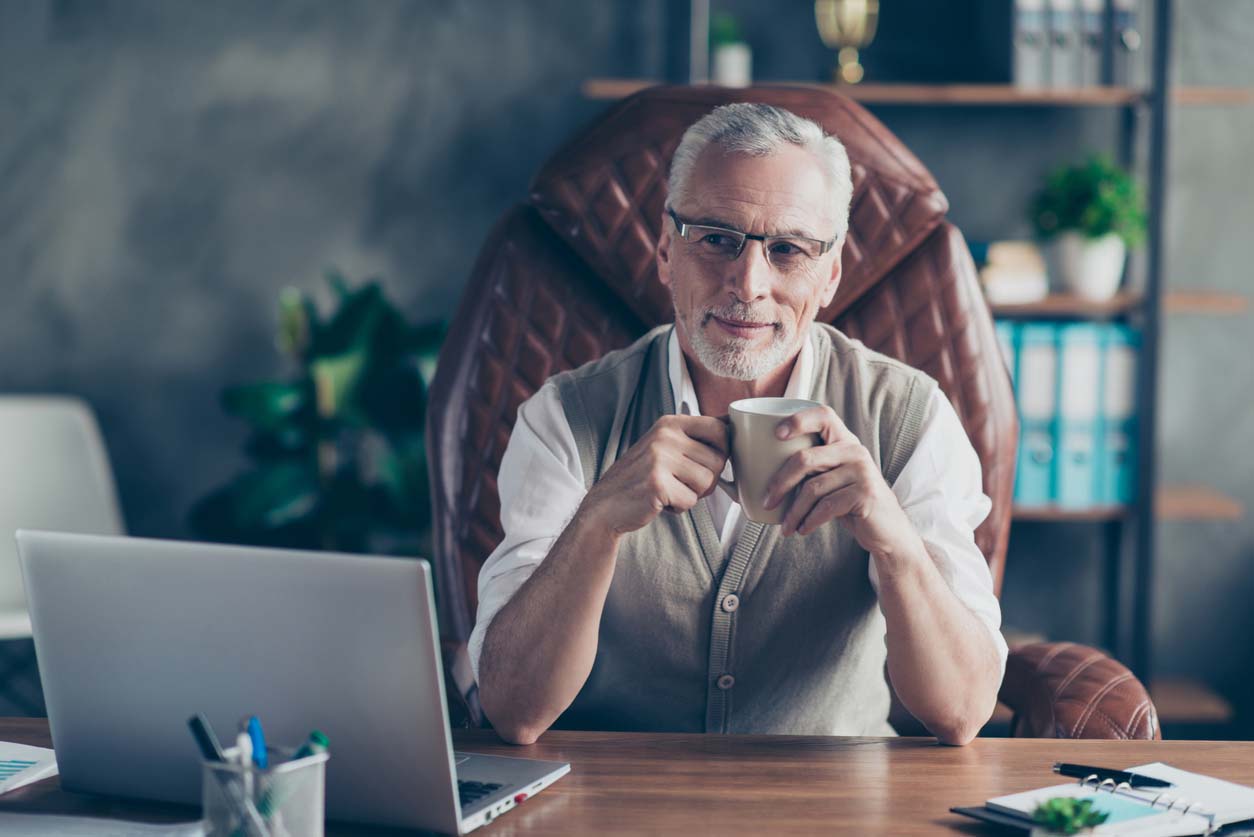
{"points": [[784, 635]]}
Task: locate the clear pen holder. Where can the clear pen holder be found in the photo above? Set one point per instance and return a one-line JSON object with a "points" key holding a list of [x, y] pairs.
{"points": [[287, 799]]}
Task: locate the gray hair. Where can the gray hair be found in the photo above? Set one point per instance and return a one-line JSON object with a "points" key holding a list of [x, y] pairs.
{"points": [[760, 130]]}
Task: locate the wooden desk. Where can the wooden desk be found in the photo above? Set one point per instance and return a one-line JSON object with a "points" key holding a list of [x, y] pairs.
{"points": [[694, 784]]}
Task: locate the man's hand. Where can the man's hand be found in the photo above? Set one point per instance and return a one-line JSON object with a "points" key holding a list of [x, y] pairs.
{"points": [[673, 466], [837, 480]]}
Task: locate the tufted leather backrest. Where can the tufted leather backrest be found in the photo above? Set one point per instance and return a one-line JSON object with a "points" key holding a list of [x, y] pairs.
{"points": [[571, 275]]}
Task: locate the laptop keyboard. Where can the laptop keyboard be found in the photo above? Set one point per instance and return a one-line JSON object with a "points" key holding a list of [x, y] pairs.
{"points": [[471, 792]]}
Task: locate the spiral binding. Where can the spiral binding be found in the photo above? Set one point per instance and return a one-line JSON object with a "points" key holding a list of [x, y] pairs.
{"points": [[1187, 807]]}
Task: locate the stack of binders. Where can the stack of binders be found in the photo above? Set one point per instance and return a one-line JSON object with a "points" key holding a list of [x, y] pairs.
{"points": [[1059, 43], [1075, 384]]}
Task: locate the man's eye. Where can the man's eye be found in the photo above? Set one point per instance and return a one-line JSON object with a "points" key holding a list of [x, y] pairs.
{"points": [[716, 239], [785, 248]]}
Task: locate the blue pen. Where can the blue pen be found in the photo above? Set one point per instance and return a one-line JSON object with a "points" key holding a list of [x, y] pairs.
{"points": [[259, 742]]}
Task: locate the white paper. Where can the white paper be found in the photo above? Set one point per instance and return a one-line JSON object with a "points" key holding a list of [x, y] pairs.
{"points": [[21, 764], [1228, 801]]}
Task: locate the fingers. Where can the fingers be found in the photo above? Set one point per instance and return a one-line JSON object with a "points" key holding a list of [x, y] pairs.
{"points": [[704, 455], [839, 503], [705, 429], [805, 463], [812, 493], [821, 420], [685, 485]]}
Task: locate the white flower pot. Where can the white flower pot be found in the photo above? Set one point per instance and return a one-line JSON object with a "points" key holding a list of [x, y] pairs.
{"points": [[733, 65], [1091, 268]]}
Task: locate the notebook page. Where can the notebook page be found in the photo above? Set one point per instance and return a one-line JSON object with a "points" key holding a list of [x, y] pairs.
{"points": [[1228, 801], [1128, 815]]}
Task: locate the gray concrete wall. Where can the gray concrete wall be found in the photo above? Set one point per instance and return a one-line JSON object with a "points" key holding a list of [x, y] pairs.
{"points": [[167, 166]]}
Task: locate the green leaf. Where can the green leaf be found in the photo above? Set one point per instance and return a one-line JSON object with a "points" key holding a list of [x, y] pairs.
{"points": [[261, 500], [267, 405], [335, 381]]}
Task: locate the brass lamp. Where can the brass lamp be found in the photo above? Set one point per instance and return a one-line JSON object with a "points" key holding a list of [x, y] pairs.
{"points": [[847, 26]]}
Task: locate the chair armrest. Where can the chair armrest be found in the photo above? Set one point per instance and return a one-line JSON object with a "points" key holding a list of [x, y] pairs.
{"points": [[1065, 690]]}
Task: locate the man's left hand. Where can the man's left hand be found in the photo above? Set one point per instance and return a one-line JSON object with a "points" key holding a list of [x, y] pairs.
{"points": [[837, 480]]}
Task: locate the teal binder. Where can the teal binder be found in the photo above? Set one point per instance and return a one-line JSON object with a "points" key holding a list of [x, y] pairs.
{"points": [[1117, 449], [1036, 392], [1079, 398]]}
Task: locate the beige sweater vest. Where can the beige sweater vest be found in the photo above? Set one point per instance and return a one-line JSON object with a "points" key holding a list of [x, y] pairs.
{"points": [[799, 648]]}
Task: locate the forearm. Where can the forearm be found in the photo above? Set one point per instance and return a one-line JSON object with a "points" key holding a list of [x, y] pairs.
{"points": [[540, 647], [941, 658]]}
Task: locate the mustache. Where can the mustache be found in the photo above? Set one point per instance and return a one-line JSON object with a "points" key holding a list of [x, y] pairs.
{"points": [[739, 313]]}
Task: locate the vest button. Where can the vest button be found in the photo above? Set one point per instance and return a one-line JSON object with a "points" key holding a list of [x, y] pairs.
{"points": [[726, 682], [730, 602]]}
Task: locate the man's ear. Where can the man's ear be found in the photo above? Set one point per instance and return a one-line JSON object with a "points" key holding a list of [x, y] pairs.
{"points": [[833, 280], [663, 252]]}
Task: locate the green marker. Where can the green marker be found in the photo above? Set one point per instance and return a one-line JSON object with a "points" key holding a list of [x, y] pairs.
{"points": [[317, 743]]}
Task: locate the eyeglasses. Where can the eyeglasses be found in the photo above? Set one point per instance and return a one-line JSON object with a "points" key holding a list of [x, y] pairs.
{"points": [[785, 253]]}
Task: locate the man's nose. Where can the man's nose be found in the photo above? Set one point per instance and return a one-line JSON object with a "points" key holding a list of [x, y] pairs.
{"points": [[749, 276]]}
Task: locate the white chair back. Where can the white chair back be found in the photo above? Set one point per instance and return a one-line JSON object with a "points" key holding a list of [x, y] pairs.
{"points": [[54, 474]]}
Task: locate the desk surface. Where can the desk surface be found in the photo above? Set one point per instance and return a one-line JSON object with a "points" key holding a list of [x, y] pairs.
{"points": [[694, 784]]}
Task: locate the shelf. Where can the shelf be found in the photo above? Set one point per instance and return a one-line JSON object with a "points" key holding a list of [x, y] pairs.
{"points": [[1212, 95], [971, 94], [1204, 302], [1174, 502], [1055, 514], [1195, 502], [1188, 702], [1065, 305]]}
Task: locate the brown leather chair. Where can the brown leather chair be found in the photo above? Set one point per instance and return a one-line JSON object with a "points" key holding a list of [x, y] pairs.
{"points": [[570, 275]]}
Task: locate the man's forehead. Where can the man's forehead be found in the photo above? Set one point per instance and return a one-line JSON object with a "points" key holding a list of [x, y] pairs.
{"points": [[786, 191]]}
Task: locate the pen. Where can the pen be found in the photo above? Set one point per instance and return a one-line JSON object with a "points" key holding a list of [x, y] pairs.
{"points": [[212, 751], [260, 757], [316, 743], [205, 739], [1084, 771]]}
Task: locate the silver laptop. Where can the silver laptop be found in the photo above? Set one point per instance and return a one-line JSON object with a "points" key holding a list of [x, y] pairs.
{"points": [[134, 636]]}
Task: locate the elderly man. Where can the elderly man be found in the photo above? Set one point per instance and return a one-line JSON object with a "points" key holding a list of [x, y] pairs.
{"points": [[630, 592]]}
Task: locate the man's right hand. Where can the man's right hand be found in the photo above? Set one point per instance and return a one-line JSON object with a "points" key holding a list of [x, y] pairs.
{"points": [[673, 466]]}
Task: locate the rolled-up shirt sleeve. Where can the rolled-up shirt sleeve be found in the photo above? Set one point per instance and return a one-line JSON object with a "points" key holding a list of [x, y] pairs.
{"points": [[940, 488], [541, 486]]}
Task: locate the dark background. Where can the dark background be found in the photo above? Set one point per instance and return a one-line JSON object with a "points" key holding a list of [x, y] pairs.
{"points": [[167, 166]]}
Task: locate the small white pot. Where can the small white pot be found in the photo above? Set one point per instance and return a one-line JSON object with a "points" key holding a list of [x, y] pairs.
{"points": [[1091, 268], [733, 65]]}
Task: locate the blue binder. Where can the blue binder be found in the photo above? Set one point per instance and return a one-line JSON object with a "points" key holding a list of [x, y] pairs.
{"points": [[1036, 392], [1117, 449], [1079, 398]]}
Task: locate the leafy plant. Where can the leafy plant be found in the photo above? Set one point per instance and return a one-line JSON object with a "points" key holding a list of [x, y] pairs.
{"points": [[1067, 815], [1094, 198], [338, 459], [724, 29]]}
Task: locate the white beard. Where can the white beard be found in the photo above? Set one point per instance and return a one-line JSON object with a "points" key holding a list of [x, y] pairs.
{"points": [[736, 357]]}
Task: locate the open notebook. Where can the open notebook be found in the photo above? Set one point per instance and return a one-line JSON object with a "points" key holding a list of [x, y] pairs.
{"points": [[1196, 804]]}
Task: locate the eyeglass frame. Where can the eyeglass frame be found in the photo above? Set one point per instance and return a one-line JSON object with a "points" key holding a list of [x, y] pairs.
{"points": [[682, 226]]}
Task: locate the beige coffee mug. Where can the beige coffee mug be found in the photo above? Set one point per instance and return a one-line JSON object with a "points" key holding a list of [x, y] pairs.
{"points": [[757, 453]]}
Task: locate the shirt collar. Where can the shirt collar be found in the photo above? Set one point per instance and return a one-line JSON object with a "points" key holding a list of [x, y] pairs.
{"points": [[685, 394]]}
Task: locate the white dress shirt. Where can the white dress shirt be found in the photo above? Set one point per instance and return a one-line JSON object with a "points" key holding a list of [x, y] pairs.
{"points": [[541, 485]]}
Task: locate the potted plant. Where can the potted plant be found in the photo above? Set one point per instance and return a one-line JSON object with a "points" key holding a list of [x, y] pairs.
{"points": [[1088, 215], [336, 448], [1066, 815], [732, 58]]}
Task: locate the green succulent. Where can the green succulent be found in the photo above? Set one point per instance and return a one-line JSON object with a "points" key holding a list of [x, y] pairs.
{"points": [[725, 29], [1093, 198], [1068, 815], [337, 454]]}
